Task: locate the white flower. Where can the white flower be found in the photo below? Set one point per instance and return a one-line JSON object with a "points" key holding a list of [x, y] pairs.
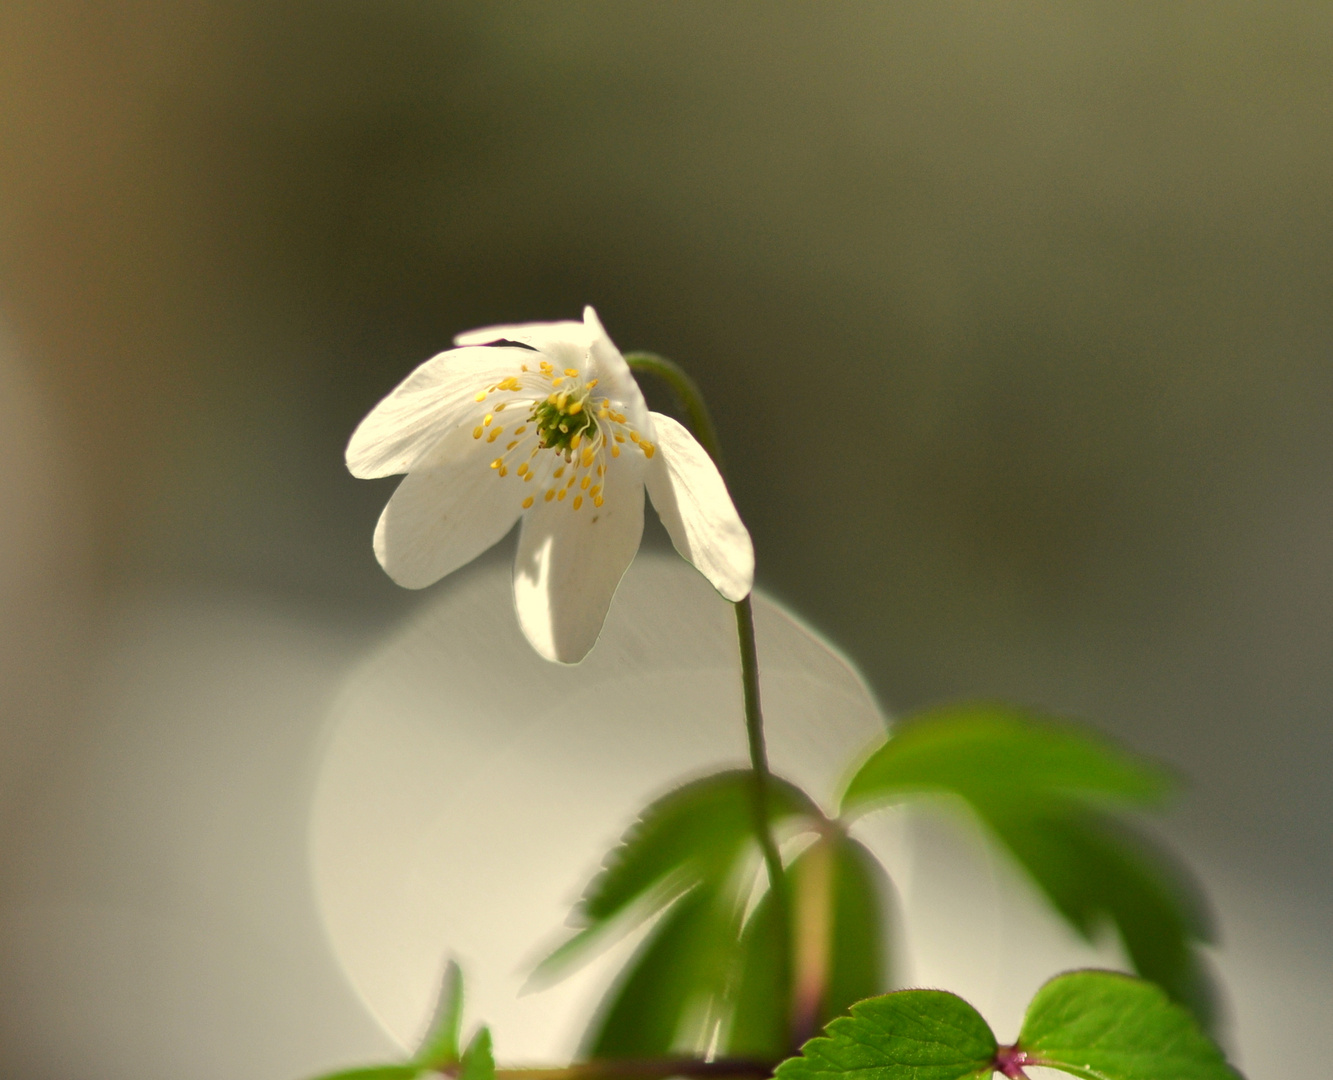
{"points": [[559, 434]]}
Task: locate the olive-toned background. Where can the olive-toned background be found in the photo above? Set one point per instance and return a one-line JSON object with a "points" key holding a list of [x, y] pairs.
{"points": [[1015, 318]]}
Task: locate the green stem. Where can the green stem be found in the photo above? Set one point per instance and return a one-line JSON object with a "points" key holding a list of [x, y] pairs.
{"points": [[687, 391]]}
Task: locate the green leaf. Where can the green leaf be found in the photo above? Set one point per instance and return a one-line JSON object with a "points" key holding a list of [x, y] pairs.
{"points": [[441, 1044], [1040, 786], [1104, 1026], [910, 1035], [1094, 870], [856, 918], [377, 1072], [676, 972], [761, 1003], [478, 1059], [981, 750], [862, 925], [693, 834]]}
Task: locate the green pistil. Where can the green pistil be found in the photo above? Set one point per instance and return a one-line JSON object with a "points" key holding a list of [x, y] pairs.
{"points": [[557, 427]]}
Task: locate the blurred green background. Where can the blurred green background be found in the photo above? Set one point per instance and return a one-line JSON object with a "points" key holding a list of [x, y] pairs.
{"points": [[1015, 317]]}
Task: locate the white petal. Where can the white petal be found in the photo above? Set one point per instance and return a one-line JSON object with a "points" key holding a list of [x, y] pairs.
{"points": [[449, 509], [410, 420], [691, 498], [570, 561], [536, 334]]}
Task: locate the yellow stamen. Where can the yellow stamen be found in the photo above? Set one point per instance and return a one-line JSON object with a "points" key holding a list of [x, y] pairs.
{"points": [[571, 371], [559, 472], [497, 463], [619, 438], [648, 448], [598, 500], [585, 482], [522, 468], [595, 490], [527, 502], [578, 501], [550, 494], [476, 432], [592, 383], [557, 380], [481, 395], [601, 470], [586, 460], [503, 471], [615, 450], [633, 436], [576, 408], [574, 442], [511, 445], [561, 399], [520, 429], [561, 496]]}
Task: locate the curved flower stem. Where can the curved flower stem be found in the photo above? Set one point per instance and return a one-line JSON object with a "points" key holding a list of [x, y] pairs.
{"points": [[687, 391]]}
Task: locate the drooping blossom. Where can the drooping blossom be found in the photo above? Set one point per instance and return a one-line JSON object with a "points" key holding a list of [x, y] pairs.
{"points": [[544, 422]]}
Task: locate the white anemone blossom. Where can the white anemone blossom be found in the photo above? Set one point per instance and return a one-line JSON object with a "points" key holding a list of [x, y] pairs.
{"points": [[557, 434]]}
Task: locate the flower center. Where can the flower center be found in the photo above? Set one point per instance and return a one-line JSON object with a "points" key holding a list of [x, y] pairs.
{"points": [[562, 421]]}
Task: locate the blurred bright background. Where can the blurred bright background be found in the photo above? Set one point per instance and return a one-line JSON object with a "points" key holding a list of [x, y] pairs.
{"points": [[1016, 320]]}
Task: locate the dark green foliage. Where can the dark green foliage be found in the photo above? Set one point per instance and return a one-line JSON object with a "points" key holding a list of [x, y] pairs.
{"points": [[1043, 787], [696, 833], [677, 972], [982, 751]]}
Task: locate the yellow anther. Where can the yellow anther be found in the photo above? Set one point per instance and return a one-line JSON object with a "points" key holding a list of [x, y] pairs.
{"points": [[497, 463], [557, 380], [603, 413], [619, 438], [486, 420], [481, 395], [615, 450], [595, 490], [574, 442], [571, 481], [601, 470], [495, 434], [551, 398], [561, 496], [586, 460], [476, 432], [578, 501], [550, 494], [524, 367], [648, 448], [510, 446], [585, 482], [571, 371], [503, 471], [633, 436], [545, 365], [527, 502], [576, 408], [522, 469], [559, 472], [530, 475], [535, 451], [592, 383], [561, 399], [598, 500], [520, 429]]}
